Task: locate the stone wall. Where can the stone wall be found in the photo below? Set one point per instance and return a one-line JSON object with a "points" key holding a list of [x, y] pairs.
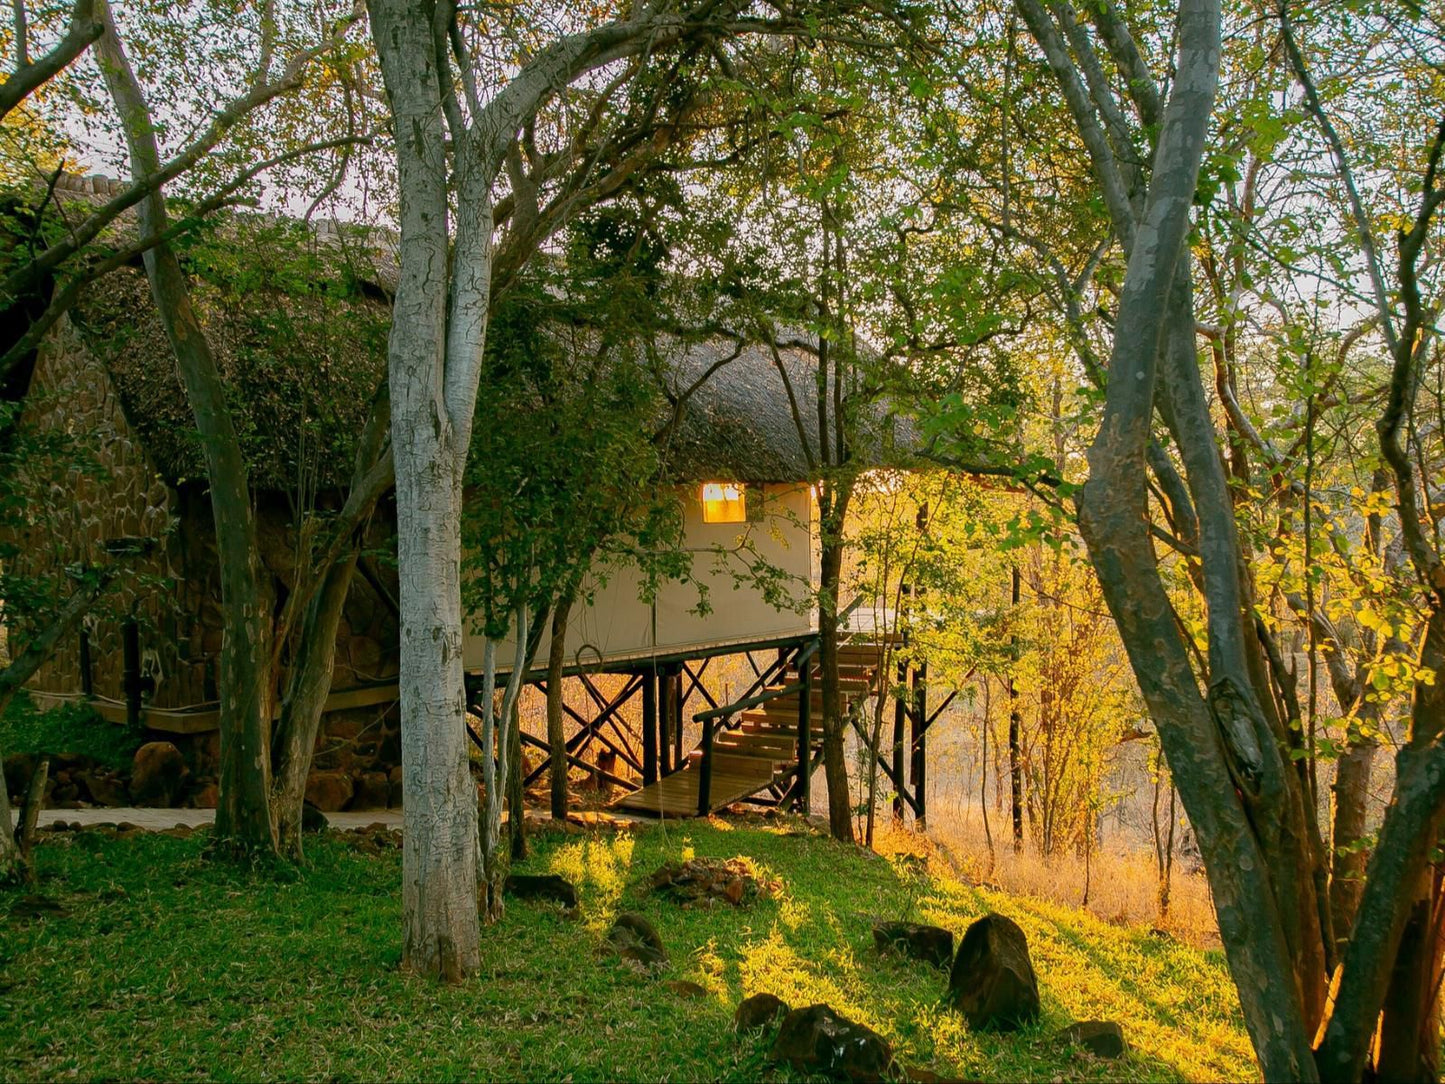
{"points": [[173, 591], [80, 505]]}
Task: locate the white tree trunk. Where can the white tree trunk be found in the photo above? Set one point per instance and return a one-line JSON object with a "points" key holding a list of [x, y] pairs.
{"points": [[439, 852]]}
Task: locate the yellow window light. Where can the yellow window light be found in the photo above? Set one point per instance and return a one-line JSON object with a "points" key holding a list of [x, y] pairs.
{"points": [[723, 502]]}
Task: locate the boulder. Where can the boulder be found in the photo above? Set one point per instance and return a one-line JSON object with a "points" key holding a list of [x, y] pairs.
{"points": [[19, 767], [931, 944], [394, 795], [312, 819], [992, 982], [637, 941], [157, 775], [683, 988], [819, 1040], [541, 886], [104, 787], [702, 882], [1102, 1038], [329, 791], [372, 791], [759, 1011]]}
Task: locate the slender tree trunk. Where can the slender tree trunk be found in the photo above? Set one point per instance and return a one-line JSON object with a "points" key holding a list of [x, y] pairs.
{"points": [[516, 799], [307, 687], [30, 814], [835, 765], [556, 739], [1351, 791], [1015, 726], [243, 815], [9, 849]]}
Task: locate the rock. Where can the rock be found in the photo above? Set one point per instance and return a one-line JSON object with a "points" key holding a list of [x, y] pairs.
{"points": [[1102, 1038], [18, 767], [992, 982], [819, 1040], [759, 1011], [701, 882], [931, 944], [207, 797], [312, 819], [543, 886], [394, 798], [157, 774], [372, 791], [637, 941], [104, 787], [683, 988], [32, 907], [329, 791]]}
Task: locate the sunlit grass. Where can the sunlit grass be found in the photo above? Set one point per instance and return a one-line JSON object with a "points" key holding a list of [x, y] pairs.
{"points": [[171, 967]]}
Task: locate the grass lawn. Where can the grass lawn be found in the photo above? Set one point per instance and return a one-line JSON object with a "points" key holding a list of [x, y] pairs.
{"points": [[166, 965]]}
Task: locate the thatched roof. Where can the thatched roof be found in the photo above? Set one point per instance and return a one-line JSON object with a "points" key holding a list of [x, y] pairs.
{"points": [[298, 315], [740, 425], [301, 372]]}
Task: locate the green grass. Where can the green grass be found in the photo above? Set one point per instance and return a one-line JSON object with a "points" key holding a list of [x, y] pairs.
{"points": [[171, 966]]}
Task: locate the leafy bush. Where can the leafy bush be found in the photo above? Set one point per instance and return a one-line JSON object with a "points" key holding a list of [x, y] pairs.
{"points": [[70, 728]]}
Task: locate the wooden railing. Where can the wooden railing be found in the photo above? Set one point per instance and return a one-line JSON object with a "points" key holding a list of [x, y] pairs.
{"points": [[722, 716]]}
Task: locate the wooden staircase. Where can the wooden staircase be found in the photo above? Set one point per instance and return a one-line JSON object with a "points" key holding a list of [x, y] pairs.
{"points": [[753, 744]]}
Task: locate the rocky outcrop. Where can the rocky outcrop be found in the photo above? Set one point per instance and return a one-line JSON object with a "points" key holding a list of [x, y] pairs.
{"points": [[759, 1011], [931, 944], [329, 792], [1102, 1038], [820, 1041], [542, 886], [157, 775], [637, 941], [992, 981]]}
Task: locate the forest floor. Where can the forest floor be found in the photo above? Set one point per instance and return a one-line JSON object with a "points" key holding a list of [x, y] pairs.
{"points": [[140, 957]]}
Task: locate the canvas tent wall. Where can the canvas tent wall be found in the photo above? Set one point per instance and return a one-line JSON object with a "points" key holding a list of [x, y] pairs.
{"points": [[617, 626]]}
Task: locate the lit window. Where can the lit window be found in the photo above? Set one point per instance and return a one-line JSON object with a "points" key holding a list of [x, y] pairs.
{"points": [[723, 502]]}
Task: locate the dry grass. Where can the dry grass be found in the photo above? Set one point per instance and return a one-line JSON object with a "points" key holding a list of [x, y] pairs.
{"points": [[1121, 884]]}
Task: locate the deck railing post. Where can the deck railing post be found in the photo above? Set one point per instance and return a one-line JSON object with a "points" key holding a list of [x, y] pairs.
{"points": [[649, 727], [805, 735], [704, 773]]}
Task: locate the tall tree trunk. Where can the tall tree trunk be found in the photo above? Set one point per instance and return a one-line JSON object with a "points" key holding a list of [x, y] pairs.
{"points": [[9, 849], [835, 764], [430, 423], [247, 685], [1347, 837], [307, 687], [1015, 726], [1212, 747], [516, 799], [556, 739]]}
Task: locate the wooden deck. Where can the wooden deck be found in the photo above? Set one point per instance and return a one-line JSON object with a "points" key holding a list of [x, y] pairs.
{"points": [[761, 749]]}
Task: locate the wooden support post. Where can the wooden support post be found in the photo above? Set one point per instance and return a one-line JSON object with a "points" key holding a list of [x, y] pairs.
{"points": [[900, 710], [918, 770], [130, 670], [677, 700], [664, 723], [649, 727], [704, 774], [805, 736]]}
